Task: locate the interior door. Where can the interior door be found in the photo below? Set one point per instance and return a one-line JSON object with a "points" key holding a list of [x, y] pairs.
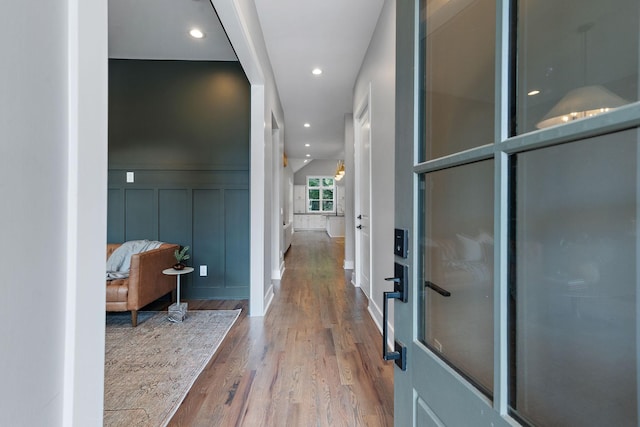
{"points": [[363, 197], [519, 270], [449, 318]]}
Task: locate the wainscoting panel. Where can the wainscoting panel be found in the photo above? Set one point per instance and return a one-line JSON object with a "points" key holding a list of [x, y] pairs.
{"points": [[115, 215], [236, 248], [208, 240], [206, 210]]}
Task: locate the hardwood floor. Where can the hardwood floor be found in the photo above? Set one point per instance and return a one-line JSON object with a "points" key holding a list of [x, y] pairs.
{"points": [[313, 360]]}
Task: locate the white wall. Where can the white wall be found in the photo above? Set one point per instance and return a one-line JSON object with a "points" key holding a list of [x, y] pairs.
{"points": [[316, 168], [378, 69], [53, 169], [240, 20]]}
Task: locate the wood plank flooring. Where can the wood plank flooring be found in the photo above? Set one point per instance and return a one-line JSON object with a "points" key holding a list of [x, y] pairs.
{"points": [[313, 360]]}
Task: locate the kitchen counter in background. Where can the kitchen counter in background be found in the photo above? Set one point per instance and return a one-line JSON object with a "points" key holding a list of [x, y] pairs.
{"points": [[332, 224]]}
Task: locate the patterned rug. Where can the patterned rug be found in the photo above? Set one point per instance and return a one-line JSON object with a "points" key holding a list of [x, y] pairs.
{"points": [[149, 369]]}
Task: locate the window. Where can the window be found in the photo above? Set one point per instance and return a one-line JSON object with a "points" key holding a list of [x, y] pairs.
{"points": [[320, 194]]}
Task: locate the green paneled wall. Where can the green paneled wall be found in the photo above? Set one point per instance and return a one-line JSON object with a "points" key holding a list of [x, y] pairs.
{"points": [[183, 129]]}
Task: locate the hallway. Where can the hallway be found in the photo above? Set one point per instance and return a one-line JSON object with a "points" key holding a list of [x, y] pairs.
{"points": [[313, 360]]}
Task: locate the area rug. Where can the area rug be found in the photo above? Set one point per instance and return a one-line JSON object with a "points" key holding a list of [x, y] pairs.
{"points": [[150, 368]]}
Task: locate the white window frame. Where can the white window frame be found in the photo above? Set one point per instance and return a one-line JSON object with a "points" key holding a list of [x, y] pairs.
{"points": [[320, 188]]}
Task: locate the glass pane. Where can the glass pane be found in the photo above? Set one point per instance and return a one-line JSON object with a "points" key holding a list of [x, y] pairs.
{"points": [[327, 182], [574, 355], [327, 206], [314, 182], [314, 206], [457, 61], [572, 65], [458, 259], [327, 194], [314, 194]]}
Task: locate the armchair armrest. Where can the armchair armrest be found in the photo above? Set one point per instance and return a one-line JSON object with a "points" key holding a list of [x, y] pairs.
{"points": [[146, 281]]}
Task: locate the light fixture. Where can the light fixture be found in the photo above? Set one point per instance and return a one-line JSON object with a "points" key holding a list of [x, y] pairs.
{"points": [[307, 145], [339, 171], [196, 33], [316, 71], [533, 92], [307, 125], [585, 101], [308, 155]]}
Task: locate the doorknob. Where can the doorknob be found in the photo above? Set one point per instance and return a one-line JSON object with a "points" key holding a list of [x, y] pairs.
{"points": [[399, 292], [359, 227], [359, 216]]}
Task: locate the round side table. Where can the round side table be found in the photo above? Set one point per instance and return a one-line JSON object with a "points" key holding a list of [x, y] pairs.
{"points": [[177, 310]]}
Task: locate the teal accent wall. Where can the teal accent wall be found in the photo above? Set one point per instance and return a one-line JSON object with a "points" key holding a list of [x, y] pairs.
{"points": [[183, 127]]}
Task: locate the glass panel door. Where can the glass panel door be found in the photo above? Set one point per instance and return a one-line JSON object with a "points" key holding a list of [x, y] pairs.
{"points": [[521, 194]]}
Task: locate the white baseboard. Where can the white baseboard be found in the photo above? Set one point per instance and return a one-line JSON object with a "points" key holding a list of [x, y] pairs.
{"points": [[268, 299], [282, 268], [349, 265], [375, 314]]}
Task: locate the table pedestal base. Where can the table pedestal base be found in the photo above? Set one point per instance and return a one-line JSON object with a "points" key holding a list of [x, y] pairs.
{"points": [[177, 312]]}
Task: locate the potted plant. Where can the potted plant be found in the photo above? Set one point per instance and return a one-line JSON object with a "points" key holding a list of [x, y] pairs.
{"points": [[181, 255]]}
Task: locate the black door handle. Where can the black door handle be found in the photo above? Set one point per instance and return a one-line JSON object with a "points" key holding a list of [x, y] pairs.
{"points": [[359, 216], [400, 353], [438, 289], [400, 292], [359, 227]]}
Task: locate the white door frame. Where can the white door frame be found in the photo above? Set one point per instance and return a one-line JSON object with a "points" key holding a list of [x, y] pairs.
{"points": [[363, 113], [277, 254]]}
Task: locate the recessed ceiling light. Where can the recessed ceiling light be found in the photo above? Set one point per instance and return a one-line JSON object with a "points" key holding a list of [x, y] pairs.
{"points": [[306, 161], [307, 145], [196, 33], [307, 125], [533, 92], [308, 155], [316, 71]]}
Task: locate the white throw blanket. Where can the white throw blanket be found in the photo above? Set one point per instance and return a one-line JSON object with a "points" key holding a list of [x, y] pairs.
{"points": [[119, 262]]}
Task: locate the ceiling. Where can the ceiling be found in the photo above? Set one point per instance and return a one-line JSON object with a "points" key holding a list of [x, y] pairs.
{"points": [[332, 35], [300, 35], [159, 29]]}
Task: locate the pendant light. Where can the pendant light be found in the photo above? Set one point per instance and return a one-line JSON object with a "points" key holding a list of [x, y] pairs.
{"points": [[585, 101]]}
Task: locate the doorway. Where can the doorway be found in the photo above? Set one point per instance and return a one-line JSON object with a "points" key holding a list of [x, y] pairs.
{"points": [[363, 196]]}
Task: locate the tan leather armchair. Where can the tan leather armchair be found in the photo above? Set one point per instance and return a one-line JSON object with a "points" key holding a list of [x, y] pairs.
{"points": [[145, 283]]}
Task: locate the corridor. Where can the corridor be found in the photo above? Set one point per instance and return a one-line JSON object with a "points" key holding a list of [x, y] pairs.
{"points": [[313, 360]]}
